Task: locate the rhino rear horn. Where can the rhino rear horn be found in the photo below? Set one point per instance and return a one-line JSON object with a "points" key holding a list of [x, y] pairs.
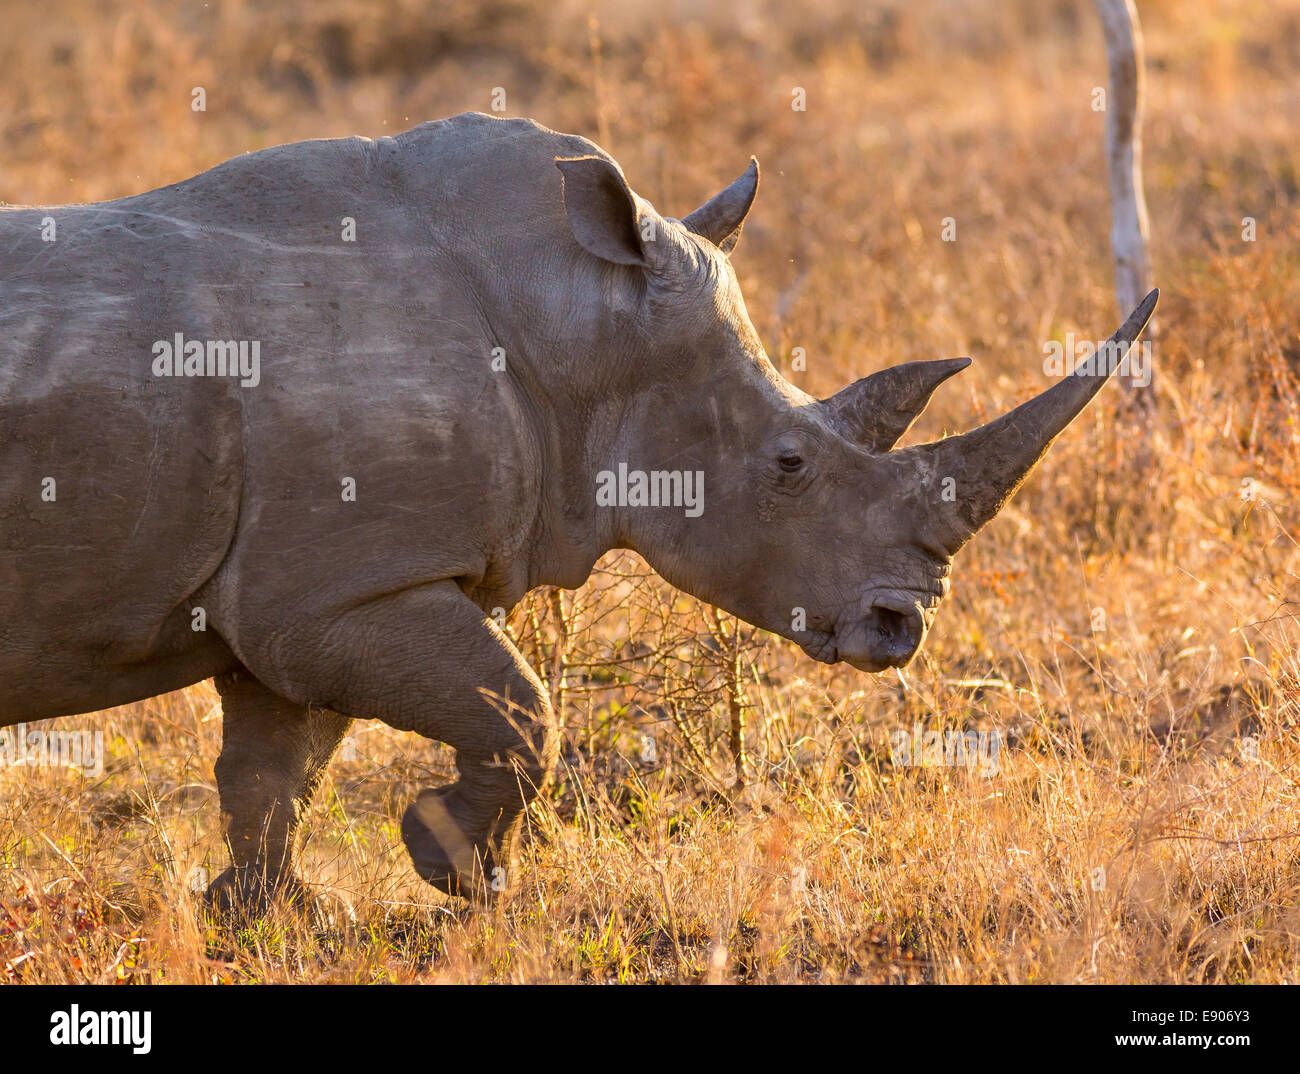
{"points": [[988, 464], [877, 410], [721, 217]]}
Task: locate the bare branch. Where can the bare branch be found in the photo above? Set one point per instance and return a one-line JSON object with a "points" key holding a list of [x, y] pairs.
{"points": [[1129, 233]]}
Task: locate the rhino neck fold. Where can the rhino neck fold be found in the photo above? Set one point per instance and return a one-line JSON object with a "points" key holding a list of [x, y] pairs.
{"points": [[572, 429], [700, 434]]}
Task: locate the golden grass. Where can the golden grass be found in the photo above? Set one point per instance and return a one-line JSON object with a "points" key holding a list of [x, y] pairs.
{"points": [[1126, 624]]}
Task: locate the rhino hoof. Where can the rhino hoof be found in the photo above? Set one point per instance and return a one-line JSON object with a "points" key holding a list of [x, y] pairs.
{"points": [[444, 855], [243, 895]]}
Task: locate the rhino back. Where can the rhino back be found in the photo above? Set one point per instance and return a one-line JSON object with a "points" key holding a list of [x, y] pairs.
{"points": [[384, 449], [375, 367]]}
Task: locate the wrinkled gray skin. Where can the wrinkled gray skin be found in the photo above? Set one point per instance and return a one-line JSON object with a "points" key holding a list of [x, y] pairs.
{"points": [[472, 485]]}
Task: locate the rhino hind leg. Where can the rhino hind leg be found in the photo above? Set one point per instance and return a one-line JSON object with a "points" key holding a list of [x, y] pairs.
{"points": [[274, 753]]}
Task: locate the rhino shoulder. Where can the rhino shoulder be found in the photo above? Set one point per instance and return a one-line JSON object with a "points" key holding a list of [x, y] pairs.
{"points": [[472, 132]]}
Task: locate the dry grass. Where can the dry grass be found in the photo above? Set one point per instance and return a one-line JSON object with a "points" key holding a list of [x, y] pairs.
{"points": [[1127, 629]]}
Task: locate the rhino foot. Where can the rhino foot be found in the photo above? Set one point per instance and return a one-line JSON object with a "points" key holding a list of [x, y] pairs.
{"points": [[450, 855], [240, 897], [245, 894]]}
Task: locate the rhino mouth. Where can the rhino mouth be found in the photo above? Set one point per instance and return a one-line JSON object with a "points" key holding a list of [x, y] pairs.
{"points": [[887, 634]]}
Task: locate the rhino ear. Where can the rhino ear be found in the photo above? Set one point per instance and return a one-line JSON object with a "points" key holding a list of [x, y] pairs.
{"points": [[602, 209], [877, 410], [721, 217]]}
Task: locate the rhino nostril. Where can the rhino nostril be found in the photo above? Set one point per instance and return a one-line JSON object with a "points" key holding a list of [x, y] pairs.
{"points": [[889, 624], [895, 635]]}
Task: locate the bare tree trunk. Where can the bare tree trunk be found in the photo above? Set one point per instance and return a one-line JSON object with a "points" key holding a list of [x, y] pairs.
{"points": [[1128, 233]]}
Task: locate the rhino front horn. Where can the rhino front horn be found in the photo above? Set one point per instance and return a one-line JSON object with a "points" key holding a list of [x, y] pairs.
{"points": [[988, 464]]}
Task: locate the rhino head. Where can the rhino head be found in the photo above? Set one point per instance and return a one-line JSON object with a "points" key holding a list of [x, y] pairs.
{"points": [[811, 524]]}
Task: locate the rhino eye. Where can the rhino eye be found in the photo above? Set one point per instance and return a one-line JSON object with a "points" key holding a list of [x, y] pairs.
{"points": [[790, 462]]}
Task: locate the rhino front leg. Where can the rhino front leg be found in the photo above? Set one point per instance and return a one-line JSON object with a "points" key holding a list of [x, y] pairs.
{"points": [[486, 703], [273, 756], [428, 660]]}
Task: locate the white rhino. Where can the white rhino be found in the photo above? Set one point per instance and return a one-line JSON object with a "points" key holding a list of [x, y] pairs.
{"points": [[301, 422]]}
